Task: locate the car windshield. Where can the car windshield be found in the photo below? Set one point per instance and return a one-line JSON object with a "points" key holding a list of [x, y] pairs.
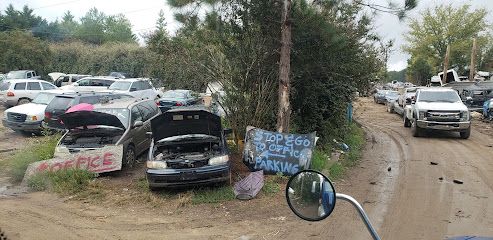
{"points": [[173, 94], [120, 85], [43, 98], [61, 102], [392, 94], [16, 75], [121, 113], [438, 96]]}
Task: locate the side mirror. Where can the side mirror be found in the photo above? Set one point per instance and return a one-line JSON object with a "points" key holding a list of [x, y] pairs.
{"points": [[228, 131], [149, 135], [310, 195], [468, 99], [133, 89], [138, 124]]}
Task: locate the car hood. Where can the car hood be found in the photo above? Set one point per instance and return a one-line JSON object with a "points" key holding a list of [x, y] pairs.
{"points": [[90, 118], [28, 109], [172, 99], [184, 122], [444, 106]]}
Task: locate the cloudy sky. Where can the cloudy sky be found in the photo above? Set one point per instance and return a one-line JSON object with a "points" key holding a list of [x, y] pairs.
{"points": [[143, 14]]}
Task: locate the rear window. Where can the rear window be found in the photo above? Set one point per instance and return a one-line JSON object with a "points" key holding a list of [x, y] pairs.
{"points": [[4, 86], [20, 86], [61, 102], [90, 99]]}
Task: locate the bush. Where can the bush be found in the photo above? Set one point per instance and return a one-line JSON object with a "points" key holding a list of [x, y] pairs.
{"points": [[37, 150], [66, 182]]}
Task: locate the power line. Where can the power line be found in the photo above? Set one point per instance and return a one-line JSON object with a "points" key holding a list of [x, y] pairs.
{"points": [[56, 4]]}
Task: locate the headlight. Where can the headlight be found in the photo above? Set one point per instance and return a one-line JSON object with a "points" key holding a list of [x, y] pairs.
{"points": [[32, 118], [464, 116], [156, 164], [219, 160], [422, 115]]}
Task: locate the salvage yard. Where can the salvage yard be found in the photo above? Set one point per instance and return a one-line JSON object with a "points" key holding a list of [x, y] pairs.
{"points": [[405, 196]]}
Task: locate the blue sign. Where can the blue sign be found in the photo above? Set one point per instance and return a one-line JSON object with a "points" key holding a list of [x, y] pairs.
{"points": [[276, 152]]}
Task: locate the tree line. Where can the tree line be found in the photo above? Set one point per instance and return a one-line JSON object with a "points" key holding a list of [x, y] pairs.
{"points": [[334, 54]]}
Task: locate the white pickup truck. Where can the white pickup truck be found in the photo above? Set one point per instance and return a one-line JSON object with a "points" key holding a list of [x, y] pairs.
{"points": [[438, 109]]}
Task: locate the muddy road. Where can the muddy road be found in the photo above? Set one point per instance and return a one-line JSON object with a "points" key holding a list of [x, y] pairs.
{"points": [[400, 189]]}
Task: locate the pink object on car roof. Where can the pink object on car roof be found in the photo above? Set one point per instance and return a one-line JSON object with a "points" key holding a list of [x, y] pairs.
{"points": [[80, 107]]}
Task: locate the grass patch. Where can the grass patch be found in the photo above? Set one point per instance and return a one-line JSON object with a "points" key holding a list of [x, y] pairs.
{"points": [[65, 182], [319, 160], [355, 139], [213, 195], [37, 149]]}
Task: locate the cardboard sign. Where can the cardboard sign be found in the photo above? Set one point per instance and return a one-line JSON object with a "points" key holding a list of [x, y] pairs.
{"points": [[106, 159], [278, 152]]}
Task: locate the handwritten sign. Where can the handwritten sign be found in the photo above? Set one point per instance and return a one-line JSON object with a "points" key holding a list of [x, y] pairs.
{"points": [[277, 152], [106, 159]]}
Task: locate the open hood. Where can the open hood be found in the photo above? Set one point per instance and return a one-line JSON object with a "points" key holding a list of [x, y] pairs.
{"points": [[183, 122], [90, 118]]}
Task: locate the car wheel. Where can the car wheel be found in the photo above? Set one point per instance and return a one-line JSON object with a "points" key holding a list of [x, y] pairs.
{"points": [[389, 108], [129, 157], [23, 101], [407, 123], [416, 131], [466, 134]]}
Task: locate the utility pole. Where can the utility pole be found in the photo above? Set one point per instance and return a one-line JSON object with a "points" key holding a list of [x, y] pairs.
{"points": [[472, 68], [284, 111], [445, 65]]}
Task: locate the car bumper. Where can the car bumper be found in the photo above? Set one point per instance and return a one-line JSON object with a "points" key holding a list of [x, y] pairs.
{"points": [[188, 176], [446, 126], [23, 126], [8, 102]]}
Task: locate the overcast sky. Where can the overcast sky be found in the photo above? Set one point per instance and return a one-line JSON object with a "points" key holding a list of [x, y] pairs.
{"points": [[143, 15]]}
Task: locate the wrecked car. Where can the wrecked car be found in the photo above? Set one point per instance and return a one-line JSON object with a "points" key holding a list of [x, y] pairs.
{"points": [[118, 125], [188, 148]]}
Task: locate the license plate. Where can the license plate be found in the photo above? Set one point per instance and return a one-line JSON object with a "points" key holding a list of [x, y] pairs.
{"points": [[188, 176]]}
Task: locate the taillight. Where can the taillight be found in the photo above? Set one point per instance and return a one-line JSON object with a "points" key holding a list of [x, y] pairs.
{"points": [[47, 115], [178, 104], [10, 94], [157, 104]]}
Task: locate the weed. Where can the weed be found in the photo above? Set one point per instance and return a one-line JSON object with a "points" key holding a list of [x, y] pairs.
{"points": [[271, 186], [37, 150], [65, 182], [319, 160], [213, 195]]}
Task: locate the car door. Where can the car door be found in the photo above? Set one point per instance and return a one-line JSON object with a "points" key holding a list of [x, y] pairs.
{"points": [[148, 91], [148, 110], [20, 90], [136, 132], [32, 89]]}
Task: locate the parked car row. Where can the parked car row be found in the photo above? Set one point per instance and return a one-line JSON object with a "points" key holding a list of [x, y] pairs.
{"points": [[186, 142], [429, 108]]}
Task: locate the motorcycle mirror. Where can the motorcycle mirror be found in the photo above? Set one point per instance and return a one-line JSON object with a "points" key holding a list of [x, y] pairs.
{"points": [[310, 195]]}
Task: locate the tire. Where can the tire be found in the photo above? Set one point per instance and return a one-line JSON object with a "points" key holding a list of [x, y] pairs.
{"points": [[23, 101], [389, 108], [407, 123], [129, 157], [465, 134], [417, 131]]}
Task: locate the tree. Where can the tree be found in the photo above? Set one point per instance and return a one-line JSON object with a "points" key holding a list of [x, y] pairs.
{"points": [[19, 20], [117, 28], [445, 25], [419, 71], [92, 27], [20, 50]]}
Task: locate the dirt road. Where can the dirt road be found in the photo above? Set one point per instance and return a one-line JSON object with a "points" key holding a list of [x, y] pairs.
{"points": [[395, 182]]}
